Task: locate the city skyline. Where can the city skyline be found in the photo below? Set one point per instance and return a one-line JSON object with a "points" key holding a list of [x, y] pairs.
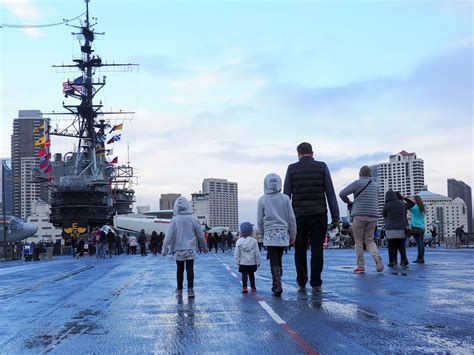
{"points": [[230, 89]]}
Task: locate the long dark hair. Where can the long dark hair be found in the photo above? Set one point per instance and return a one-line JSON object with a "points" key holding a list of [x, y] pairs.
{"points": [[420, 204]]}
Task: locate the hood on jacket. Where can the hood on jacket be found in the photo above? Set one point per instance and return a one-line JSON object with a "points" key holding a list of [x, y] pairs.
{"points": [[390, 195], [182, 206], [272, 184], [246, 243]]}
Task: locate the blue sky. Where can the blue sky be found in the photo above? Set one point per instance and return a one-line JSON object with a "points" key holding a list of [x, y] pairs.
{"points": [[228, 89]]}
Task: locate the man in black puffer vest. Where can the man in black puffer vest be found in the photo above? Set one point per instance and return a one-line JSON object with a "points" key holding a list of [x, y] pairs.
{"points": [[308, 184]]}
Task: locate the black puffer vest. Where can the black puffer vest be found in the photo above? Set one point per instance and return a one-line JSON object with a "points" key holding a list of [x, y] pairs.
{"points": [[307, 186]]}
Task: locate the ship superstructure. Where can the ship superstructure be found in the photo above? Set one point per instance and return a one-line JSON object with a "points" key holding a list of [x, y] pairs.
{"points": [[87, 188]]}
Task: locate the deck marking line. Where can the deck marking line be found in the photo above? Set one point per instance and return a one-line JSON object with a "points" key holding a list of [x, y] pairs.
{"points": [[271, 312], [308, 349]]}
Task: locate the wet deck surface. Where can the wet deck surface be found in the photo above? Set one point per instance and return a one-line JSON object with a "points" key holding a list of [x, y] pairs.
{"points": [[127, 305]]}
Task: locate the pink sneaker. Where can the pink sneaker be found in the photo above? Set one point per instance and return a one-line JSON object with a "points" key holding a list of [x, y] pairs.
{"points": [[244, 290], [254, 289], [359, 270]]}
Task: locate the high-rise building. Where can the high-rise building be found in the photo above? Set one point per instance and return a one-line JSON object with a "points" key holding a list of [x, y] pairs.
{"points": [[201, 207], [403, 173], [223, 203], [30, 190], [25, 133], [6, 184], [167, 201], [463, 191], [443, 212]]}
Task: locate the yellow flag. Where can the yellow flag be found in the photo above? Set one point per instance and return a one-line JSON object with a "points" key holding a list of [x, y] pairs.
{"points": [[119, 126], [36, 130], [42, 126], [40, 141]]}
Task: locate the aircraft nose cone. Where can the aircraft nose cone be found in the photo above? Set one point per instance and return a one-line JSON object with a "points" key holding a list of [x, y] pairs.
{"points": [[30, 230]]}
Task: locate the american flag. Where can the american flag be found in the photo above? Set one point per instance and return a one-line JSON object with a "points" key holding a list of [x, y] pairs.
{"points": [[76, 85]]}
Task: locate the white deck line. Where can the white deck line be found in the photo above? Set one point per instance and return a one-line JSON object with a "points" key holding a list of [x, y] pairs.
{"points": [[271, 312]]}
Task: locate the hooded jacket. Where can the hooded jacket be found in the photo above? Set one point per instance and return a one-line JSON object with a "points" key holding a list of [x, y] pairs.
{"points": [[394, 212], [184, 231], [274, 212], [246, 251]]}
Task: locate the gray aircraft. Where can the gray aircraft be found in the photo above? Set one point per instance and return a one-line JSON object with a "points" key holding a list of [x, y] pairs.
{"points": [[16, 229]]}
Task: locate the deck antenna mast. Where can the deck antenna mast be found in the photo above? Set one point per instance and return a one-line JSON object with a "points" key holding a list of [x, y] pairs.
{"points": [[88, 177]]}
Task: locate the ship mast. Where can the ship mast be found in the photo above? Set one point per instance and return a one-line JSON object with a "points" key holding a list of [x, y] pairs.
{"points": [[85, 125], [82, 191]]}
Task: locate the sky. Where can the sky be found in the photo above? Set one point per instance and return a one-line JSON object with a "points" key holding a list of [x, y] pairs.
{"points": [[228, 89]]}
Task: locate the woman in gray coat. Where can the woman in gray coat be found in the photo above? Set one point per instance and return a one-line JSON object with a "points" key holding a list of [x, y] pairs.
{"points": [[395, 214], [277, 224]]}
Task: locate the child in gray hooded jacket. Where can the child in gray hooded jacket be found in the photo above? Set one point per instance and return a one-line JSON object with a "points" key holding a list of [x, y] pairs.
{"points": [[184, 237], [277, 223]]}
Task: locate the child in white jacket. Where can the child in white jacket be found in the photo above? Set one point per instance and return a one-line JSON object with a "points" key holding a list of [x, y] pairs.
{"points": [[185, 238], [247, 256]]}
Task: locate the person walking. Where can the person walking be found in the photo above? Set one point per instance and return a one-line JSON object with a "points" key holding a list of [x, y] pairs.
{"points": [[118, 244], [142, 242], [395, 211], [161, 238], [154, 242], [308, 184], [74, 245], [277, 224], [215, 241], [185, 238], [97, 242], [459, 233], [133, 244], [434, 234], [102, 244], [247, 256], [230, 240], [80, 247], [125, 246], [364, 211], [110, 242], [222, 241], [417, 226]]}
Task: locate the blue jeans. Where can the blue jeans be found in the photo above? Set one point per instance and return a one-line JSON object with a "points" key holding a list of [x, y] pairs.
{"points": [[101, 250], [420, 246]]}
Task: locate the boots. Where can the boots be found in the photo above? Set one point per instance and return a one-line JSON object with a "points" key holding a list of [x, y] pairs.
{"points": [[276, 285]]}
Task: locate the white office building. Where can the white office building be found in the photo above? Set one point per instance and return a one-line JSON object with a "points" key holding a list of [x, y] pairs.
{"points": [[30, 190], [201, 207], [223, 203], [403, 173], [444, 212], [39, 217]]}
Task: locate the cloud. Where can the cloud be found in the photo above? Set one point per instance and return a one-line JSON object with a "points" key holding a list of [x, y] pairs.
{"points": [[442, 85], [23, 9], [336, 164], [32, 32], [160, 65]]}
